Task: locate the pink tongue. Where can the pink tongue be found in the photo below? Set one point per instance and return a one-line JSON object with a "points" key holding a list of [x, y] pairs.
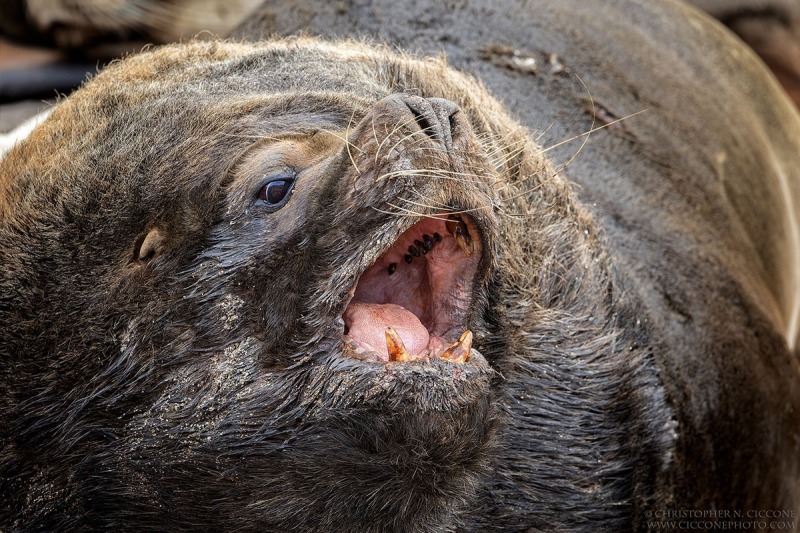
{"points": [[367, 325]]}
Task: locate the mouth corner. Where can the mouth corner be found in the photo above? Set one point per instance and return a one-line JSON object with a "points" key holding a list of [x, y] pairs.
{"points": [[414, 302]]}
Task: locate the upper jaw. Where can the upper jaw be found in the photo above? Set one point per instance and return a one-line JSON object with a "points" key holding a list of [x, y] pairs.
{"points": [[414, 302]]}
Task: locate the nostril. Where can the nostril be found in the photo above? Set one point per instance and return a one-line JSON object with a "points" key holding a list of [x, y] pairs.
{"points": [[424, 115], [452, 121], [434, 116], [423, 123]]}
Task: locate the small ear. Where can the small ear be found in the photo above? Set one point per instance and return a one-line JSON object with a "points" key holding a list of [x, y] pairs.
{"points": [[151, 246]]}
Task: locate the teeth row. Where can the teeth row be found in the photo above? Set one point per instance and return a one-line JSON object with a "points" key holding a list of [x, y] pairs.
{"points": [[455, 227], [422, 247], [458, 352]]}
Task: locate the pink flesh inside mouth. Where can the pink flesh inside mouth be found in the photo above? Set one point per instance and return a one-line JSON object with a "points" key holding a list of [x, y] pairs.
{"points": [[412, 303]]}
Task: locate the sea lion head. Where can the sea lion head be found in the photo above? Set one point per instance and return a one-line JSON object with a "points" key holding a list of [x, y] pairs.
{"points": [[270, 284], [219, 237]]}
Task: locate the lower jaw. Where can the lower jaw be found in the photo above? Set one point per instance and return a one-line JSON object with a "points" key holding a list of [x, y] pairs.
{"points": [[426, 385], [440, 406]]}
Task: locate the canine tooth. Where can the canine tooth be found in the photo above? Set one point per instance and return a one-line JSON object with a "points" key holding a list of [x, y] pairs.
{"points": [[397, 350], [458, 229], [465, 243], [458, 352], [451, 224]]}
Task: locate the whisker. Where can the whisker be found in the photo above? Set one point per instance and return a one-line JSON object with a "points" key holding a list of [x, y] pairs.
{"points": [[586, 133], [544, 132], [449, 210], [458, 177], [349, 153], [410, 213], [387, 136], [343, 139], [431, 205], [405, 213], [404, 138]]}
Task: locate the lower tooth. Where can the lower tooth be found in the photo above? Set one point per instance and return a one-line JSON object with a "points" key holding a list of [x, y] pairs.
{"points": [[396, 348], [459, 351]]}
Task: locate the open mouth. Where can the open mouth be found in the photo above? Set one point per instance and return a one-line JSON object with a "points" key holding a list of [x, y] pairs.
{"points": [[413, 302]]}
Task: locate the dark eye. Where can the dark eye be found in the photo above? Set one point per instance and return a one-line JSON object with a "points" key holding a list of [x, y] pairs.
{"points": [[275, 192]]}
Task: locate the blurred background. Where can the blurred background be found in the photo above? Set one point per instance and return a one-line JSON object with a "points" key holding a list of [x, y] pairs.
{"points": [[48, 47]]}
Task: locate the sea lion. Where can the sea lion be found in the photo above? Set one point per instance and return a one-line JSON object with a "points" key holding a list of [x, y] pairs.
{"points": [[202, 247]]}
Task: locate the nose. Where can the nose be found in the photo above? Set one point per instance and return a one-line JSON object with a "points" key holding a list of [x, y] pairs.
{"points": [[434, 117]]}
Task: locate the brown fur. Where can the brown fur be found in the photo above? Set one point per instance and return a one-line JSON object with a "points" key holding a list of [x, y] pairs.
{"points": [[206, 388], [91, 185]]}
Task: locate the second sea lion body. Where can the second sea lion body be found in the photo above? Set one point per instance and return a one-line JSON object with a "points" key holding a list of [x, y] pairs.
{"points": [[698, 195]]}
